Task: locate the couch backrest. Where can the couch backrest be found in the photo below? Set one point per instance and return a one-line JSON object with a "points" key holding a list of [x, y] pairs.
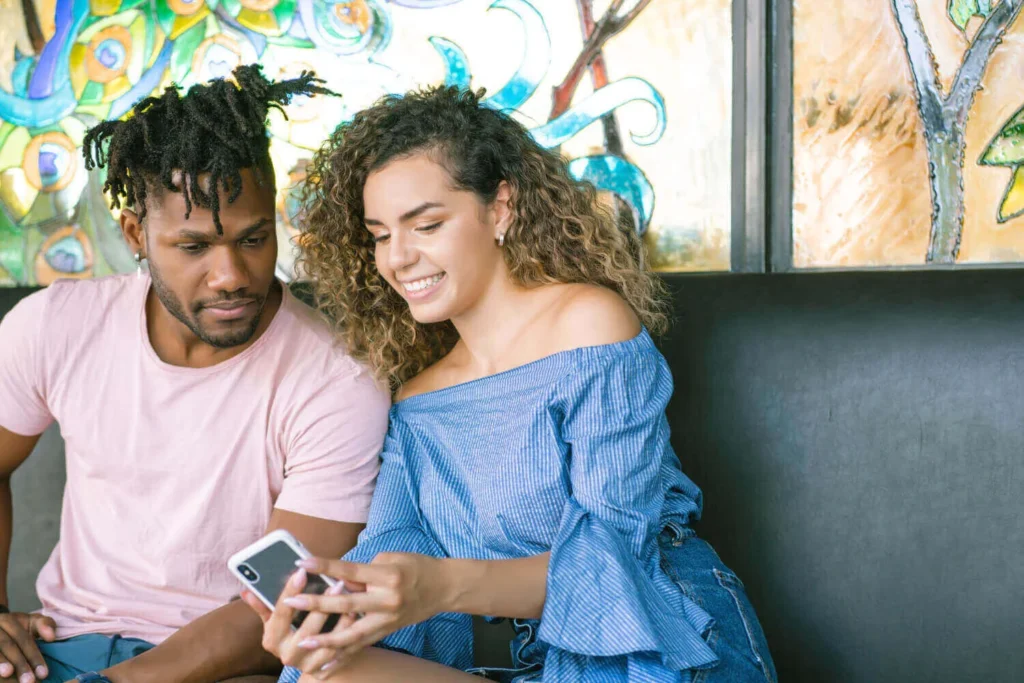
{"points": [[858, 439]]}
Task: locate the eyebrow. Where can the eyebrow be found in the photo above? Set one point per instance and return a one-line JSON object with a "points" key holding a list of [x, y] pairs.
{"points": [[408, 215], [198, 236]]}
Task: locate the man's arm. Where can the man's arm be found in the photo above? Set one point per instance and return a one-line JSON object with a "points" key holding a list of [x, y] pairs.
{"points": [[14, 449], [226, 642], [19, 654]]}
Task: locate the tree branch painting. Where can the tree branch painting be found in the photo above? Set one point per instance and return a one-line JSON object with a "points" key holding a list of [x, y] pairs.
{"points": [[599, 78], [944, 115], [611, 24]]}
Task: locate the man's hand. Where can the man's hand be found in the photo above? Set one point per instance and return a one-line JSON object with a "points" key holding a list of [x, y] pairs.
{"points": [[19, 657]]}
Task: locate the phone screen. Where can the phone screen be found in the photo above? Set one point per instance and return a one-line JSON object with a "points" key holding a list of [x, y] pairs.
{"points": [[268, 570]]}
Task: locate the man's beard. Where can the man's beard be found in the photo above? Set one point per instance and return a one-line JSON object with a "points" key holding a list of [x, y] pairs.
{"points": [[223, 341]]}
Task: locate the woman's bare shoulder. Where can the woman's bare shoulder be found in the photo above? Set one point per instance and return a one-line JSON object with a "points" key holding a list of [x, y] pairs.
{"points": [[590, 315]]}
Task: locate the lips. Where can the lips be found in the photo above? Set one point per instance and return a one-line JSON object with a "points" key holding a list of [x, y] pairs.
{"points": [[230, 310], [413, 286], [422, 288]]}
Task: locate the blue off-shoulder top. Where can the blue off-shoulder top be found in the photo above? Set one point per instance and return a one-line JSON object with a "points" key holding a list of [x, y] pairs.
{"points": [[568, 454]]}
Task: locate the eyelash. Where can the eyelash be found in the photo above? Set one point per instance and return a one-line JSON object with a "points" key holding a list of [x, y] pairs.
{"points": [[378, 239], [194, 249]]}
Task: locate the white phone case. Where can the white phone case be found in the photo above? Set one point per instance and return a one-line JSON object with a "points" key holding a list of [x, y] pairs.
{"points": [[244, 555]]}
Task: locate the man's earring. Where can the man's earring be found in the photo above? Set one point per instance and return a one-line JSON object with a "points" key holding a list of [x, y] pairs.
{"points": [[138, 264]]}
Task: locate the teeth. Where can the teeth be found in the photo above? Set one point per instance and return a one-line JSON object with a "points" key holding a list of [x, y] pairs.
{"points": [[420, 285]]}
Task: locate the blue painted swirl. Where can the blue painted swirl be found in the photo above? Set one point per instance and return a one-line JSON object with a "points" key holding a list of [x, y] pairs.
{"points": [[610, 173], [534, 63], [605, 100], [53, 69], [456, 66], [324, 29], [148, 83], [38, 113]]}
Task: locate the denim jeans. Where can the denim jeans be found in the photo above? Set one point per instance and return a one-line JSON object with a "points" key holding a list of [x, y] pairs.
{"points": [[736, 636], [67, 658]]}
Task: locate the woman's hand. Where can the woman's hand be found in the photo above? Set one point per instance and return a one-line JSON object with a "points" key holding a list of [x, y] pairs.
{"points": [[281, 640], [394, 591]]}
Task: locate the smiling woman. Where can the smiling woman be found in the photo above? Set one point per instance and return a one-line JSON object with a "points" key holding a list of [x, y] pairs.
{"points": [[513, 315], [439, 277], [427, 202]]}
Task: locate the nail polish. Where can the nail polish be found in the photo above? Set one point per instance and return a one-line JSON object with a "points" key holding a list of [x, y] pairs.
{"points": [[298, 602]]}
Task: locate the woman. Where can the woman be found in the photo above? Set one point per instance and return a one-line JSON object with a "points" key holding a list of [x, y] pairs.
{"points": [[528, 472]]}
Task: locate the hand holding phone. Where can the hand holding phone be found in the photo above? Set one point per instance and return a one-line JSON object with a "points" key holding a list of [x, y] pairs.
{"points": [[265, 567]]}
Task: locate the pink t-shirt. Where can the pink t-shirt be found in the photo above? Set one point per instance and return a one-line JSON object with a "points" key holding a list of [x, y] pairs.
{"points": [[171, 470]]}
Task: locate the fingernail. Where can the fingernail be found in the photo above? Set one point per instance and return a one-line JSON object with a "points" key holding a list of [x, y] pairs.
{"points": [[27, 678], [298, 602], [299, 578], [6, 670], [328, 666], [42, 673], [306, 564], [336, 589], [309, 644]]}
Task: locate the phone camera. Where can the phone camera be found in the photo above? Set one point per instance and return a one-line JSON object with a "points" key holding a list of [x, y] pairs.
{"points": [[249, 573]]}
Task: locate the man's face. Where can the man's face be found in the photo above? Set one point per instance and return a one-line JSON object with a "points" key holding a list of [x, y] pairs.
{"points": [[214, 284]]}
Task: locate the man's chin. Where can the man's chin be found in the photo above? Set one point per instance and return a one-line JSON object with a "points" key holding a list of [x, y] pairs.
{"points": [[230, 336]]}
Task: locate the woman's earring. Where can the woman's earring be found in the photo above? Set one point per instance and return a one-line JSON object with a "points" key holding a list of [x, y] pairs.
{"points": [[501, 239], [138, 264]]}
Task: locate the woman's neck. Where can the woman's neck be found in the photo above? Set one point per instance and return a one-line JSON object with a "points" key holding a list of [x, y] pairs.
{"points": [[494, 325]]}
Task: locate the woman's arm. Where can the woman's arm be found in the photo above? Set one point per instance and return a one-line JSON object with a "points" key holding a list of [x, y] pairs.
{"points": [[424, 586], [507, 588], [395, 591]]}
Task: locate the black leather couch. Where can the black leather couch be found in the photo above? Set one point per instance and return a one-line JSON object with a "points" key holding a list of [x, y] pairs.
{"points": [[859, 440]]}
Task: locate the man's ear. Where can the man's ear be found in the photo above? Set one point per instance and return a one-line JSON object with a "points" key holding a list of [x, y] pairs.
{"points": [[131, 228]]}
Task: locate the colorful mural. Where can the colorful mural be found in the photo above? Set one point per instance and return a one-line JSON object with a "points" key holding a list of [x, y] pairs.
{"points": [[908, 125], [603, 84]]}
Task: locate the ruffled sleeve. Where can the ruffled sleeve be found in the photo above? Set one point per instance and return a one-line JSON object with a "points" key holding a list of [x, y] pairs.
{"points": [[395, 526], [394, 523], [608, 597]]}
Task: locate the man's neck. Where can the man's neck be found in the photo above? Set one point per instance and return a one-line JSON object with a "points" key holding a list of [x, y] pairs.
{"points": [[175, 344]]}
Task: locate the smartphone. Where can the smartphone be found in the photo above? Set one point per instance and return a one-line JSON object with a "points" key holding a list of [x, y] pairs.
{"points": [[265, 567]]}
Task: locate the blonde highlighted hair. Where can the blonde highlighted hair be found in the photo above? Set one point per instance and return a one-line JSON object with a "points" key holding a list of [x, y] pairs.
{"points": [[561, 232]]}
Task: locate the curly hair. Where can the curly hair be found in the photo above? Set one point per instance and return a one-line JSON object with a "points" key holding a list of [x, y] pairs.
{"points": [[560, 231], [217, 128]]}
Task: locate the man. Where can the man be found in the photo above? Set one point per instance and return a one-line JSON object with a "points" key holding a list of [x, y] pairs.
{"points": [[201, 406]]}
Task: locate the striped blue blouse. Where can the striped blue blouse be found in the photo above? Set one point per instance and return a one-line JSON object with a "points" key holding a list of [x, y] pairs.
{"points": [[568, 454]]}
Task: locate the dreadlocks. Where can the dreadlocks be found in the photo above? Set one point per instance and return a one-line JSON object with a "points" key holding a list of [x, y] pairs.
{"points": [[217, 128]]}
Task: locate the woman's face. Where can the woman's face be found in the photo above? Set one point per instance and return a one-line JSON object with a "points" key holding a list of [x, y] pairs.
{"points": [[435, 245]]}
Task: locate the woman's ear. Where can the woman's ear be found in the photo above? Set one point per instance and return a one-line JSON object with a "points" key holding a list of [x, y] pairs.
{"points": [[502, 207]]}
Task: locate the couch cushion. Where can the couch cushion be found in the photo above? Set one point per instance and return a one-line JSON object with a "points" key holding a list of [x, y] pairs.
{"points": [[858, 438]]}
